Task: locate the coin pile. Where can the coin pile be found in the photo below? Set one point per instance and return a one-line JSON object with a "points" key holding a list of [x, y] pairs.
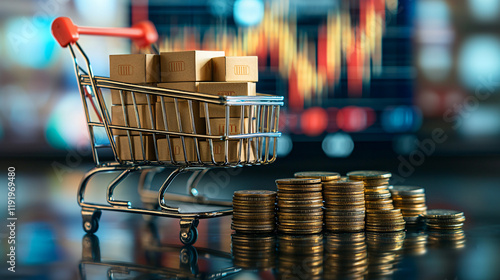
{"points": [[439, 219], [345, 256], [253, 251], [385, 220], [383, 253], [447, 239], [300, 205], [254, 211], [377, 195], [344, 206], [300, 257], [411, 201]]}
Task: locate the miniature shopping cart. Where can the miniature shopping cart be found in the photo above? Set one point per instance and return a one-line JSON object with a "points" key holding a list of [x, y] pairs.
{"points": [[146, 149]]}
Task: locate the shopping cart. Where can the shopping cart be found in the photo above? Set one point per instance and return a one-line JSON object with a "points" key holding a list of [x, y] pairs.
{"points": [[142, 147]]}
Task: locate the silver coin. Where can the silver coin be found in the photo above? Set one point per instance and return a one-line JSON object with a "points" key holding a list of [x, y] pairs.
{"points": [[407, 190]]}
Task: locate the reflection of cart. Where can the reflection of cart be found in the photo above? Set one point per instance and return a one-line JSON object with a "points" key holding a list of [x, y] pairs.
{"points": [[188, 263], [255, 145]]}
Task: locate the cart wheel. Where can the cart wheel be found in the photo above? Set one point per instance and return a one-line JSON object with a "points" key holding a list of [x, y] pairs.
{"points": [[91, 226], [90, 219], [190, 237]]}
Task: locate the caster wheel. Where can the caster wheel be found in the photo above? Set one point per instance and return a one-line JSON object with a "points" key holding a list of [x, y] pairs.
{"points": [[90, 226], [191, 237], [90, 218]]}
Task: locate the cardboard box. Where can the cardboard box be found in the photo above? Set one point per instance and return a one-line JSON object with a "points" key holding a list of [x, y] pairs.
{"points": [[233, 151], [140, 98], [225, 89], [123, 148], [218, 126], [117, 118], [235, 69], [188, 66], [185, 117], [177, 150], [135, 68], [185, 86]]}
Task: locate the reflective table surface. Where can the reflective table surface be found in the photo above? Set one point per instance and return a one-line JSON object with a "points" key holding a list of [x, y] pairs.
{"points": [[52, 245]]}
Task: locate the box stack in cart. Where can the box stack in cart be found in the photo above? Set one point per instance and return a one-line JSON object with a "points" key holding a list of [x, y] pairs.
{"points": [[209, 72]]}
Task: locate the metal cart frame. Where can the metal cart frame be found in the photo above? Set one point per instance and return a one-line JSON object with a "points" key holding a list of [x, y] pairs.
{"points": [[256, 145]]}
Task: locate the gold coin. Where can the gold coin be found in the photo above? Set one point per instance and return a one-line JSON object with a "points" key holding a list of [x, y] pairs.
{"points": [[300, 210], [443, 214], [323, 175], [254, 193], [308, 195], [299, 188], [297, 181]]}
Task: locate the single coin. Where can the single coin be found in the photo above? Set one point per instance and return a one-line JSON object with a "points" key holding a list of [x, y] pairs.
{"points": [[323, 175], [308, 195], [443, 214], [297, 181], [254, 193], [407, 190], [368, 174], [300, 210]]}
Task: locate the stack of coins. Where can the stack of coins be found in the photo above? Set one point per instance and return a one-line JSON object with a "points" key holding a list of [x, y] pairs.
{"points": [[447, 239], [300, 205], [344, 206], [411, 201], [439, 219], [385, 220], [254, 211], [384, 250], [300, 257], [345, 256], [253, 251], [377, 195]]}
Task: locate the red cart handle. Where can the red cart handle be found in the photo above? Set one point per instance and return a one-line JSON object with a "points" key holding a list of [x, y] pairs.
{"points": [[143, 33]]}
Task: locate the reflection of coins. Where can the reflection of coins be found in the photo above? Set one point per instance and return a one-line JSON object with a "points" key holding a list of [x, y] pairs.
{"points": [[253, 251], [300, 257], [447, 239]]}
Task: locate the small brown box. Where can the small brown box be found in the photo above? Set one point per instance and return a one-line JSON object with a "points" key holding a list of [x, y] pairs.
{"points": [[140, 98], [135, 68], [117, 118], [218, 126], [141, 151], [187, 66], [177, 150], [235, 69], [233, 151], [185, 86], [185, 117], [225, 89]]}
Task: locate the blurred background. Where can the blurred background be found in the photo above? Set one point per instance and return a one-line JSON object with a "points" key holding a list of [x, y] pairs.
{"points": [[406, 86]]}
